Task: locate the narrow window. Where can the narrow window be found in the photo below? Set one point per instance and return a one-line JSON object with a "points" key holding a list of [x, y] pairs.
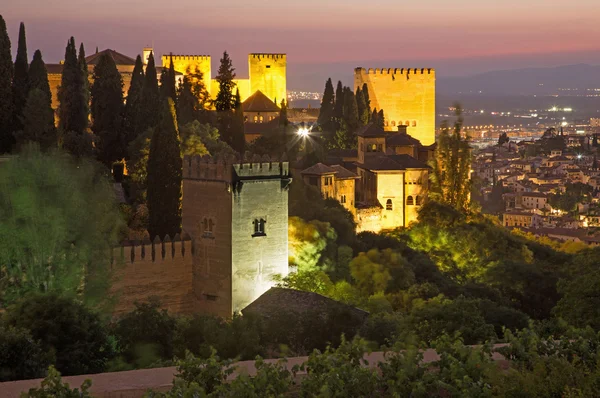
{"points": [[410, 201], [255, 119], [389, 205], [393, 123], [268, 67], [260, 119], [418, 200], [259, 227], [414, 123]]}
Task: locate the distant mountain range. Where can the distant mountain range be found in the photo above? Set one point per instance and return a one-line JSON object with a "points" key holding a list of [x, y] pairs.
{"points": [[563, 80]]}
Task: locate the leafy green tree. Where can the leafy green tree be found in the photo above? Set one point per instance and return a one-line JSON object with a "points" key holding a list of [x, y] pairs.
{"points": [[52, 386], [187, 103], [196, 137], [132, 103], [165, 175], [225, 100], [72, 95], [58, 224], [6, 94], [20, 81], [21, 357], [364, 112], [146, 334], [450, 177], [375, 270], [149, 107], [326, 112], [107, 110], [66, 328], [38, 121]]}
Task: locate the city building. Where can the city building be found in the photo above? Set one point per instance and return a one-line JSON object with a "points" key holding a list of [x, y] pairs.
{"points": [[333, 182]]}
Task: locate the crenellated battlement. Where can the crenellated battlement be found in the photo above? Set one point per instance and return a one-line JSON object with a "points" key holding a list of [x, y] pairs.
{"points": [[131, 252], [396, 71], [274, 56], [229, 168], [185, 57]]}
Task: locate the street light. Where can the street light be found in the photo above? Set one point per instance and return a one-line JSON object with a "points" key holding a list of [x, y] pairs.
{"points": [[303, 132]]}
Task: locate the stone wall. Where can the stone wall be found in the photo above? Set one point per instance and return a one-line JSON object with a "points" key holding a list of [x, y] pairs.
{"points": [[405, 95], [160, 269], [268, 73]]}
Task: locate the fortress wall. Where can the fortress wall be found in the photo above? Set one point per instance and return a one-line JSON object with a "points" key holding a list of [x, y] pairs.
{"points": [[158, 269], [405, 95], [185, 63], [268, 73]]}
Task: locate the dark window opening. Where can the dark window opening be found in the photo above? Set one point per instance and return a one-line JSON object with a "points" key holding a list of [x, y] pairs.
{"points": [[211, 297], [389, 205], [208, 227], [268, 66], [418, 200], [410, 201], [259, 227]]}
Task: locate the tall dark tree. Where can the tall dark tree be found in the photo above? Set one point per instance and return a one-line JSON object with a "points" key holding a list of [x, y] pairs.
{"points": [[365, 91], [38, 76], [225, 100], [165, 175], [149, 109], [85, 83], [351, 117], [283, 115], [37, 121], [20, 79], [338, 109], [6, 95], [107, 110], [327, 107], [374, 117], [363, 110], [239, 140], [187, 102], [381, 119], [167, 82], [72, 94], [133, 100]]}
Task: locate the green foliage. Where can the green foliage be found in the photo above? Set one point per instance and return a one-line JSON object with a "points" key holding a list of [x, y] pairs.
{"points": [[37, 121], [6, 94], [53, 387], [146, 335], [167, 82], [238, 139], [338, 109], [21, 357], [364, 113], [20, 81], [326, 113], [308, 242], [340, 372], [196, 138], [107, 110], [165, 170], [72, 94], [38, 76], [373, 271], [188, 105], [65, 328], [225, 100], [58, 223], [451, 164]]}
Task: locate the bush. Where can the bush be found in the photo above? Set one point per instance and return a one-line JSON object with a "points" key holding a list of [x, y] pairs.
{"points": [[53, 387], [21, 356], [67, 329]]}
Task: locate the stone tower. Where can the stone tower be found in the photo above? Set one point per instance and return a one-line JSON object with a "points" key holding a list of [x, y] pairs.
{"points": [[237, 216], [407, 97], [268, 73], [187, 64]]}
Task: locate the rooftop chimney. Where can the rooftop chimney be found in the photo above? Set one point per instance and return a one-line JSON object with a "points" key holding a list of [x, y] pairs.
{"points": [[402, 128]]}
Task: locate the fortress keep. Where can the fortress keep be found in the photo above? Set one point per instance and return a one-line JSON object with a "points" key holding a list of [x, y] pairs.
{"points": [[407, 97]]}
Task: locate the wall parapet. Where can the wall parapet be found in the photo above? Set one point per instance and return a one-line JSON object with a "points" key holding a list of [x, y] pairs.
{"points": [[223, 168], [180, 57], [268, 55], [158, 250], [396, 71]]}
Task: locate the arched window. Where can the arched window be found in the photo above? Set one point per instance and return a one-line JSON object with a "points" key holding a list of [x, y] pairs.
{"points": [[255, 119], [393, 123], [418, 200], [261, 119], [410, 201], [407, 123], [389, 205], [259, 227], [414, 123]]}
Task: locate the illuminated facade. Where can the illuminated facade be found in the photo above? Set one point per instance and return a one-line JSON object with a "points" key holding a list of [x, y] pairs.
{"points": [[407, 97]]}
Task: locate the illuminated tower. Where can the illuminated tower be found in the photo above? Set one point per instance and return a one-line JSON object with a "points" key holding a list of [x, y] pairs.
{"points": [[268, 73]]}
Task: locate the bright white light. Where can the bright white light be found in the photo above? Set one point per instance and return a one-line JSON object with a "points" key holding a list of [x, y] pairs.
{"points": [[303, 132], [579, 156], [564, 124]]}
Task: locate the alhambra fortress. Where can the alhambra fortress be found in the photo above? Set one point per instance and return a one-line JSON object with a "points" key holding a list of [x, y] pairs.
{"points": [[235, 212]]}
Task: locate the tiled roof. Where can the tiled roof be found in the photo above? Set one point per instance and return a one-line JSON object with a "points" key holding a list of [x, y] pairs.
{"points": [[120, 59], [378, 161], [535, 194], [371, 130], [343, 173], [401, 139], [319, 169], [258, 102]]}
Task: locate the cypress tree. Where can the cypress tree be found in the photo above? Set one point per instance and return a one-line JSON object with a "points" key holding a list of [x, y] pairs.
{"points": [[6, 95], [150, 103], [365, 91], [239, 140], [225, 100], [20, 79], [374, 117], [327, 105], [107, 110], [85, 86], [165, 175], [381, 119], [38, 76], [363, 111], [187, 102], [167, 82], [72, 93], [338, 110], [133, 98], [37, 121], [283, 117], [351, 119]]}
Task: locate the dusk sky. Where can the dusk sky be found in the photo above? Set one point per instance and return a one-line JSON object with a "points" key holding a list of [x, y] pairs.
{"points": [[324, 37]]}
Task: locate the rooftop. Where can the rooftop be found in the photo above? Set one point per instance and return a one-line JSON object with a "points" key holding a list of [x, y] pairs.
{"points": [[371, 130], [378, 161], [320, 169], [258, 102]]}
